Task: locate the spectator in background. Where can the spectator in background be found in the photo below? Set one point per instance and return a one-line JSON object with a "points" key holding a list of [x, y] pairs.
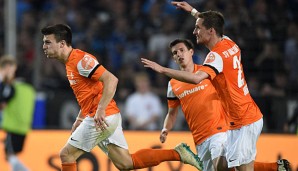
{"points": [[117, 42], [273, 79], [157, 43], [17, 119], [274, 103], [143, 108], [17, 115], [293, 121], [8, 66], [268, 62], [125, 85], [291, 53]]}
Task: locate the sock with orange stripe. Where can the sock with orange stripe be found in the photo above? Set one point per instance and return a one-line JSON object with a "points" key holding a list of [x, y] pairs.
{"points": [[260, 166], [69, 167], [152, 157]]}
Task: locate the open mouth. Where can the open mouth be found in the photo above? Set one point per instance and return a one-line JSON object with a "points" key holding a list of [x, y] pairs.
{"points": [[180, 59]]}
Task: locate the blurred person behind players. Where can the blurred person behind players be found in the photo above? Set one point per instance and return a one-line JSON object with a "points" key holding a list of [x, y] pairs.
{"points": [[143, 108], [17, 115], [99, 120], [8, 67]]}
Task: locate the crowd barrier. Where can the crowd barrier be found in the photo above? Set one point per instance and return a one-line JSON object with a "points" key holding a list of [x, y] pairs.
{"points": [[42, 149]]}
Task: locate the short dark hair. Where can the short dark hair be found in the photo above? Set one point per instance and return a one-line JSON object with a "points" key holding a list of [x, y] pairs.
{"points": [[60, 31], [213, 19], [186, 42]]}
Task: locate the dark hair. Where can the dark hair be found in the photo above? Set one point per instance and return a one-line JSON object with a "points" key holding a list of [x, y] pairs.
{"points": [[213, 19], [60, 31], [186, 42]]}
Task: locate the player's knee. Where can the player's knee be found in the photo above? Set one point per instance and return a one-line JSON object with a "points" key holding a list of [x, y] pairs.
{"points": [[63, 154], [66, 156]]}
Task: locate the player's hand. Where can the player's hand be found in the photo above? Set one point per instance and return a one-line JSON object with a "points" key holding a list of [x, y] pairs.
{"points": [[153, 65], [163, 135], [100, 120], [182, 5], [75, 125]]}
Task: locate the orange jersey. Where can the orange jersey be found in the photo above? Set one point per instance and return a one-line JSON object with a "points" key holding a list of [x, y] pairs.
{"points": [[223, 64], [201, 106], [83, 72]]}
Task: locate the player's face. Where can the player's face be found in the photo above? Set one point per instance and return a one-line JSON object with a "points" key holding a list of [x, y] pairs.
{"points": [[10, 72], [50, 46], [142, 85], [181, 54], [202, 34]]}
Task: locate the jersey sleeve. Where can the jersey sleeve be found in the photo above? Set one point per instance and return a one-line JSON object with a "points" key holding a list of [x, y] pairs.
{"points": [[89, 67], [173, 100], [213, 64]]}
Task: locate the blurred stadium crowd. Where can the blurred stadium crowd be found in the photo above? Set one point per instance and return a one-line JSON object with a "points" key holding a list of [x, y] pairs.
{"points": [[119, 32]]}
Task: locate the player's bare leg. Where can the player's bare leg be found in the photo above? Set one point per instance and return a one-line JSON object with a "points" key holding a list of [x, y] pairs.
{"points": [[70, 153], [68, 157], [120, 157], [220, 164], [145, 158]]}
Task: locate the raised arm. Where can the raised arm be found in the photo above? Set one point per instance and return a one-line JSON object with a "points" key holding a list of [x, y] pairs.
{"points": [[176, 74], [186, 7]]}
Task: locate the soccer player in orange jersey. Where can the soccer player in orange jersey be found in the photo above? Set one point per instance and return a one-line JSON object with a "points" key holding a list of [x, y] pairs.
{"points": [[99, 120], [203, 112], [223, 67], [201, 107]]}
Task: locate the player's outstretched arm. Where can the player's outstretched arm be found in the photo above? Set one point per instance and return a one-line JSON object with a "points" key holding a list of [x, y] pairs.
{"points": [[176, 74], [186, 7]]}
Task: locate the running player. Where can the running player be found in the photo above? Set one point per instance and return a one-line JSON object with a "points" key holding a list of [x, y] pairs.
{"points": [[99, 120]]}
